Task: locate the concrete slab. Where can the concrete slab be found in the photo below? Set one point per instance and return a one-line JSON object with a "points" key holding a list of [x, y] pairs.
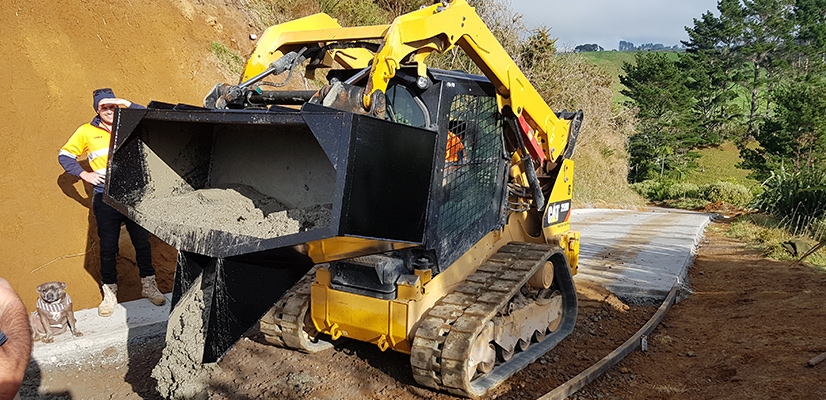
{"points": [[105, 340], [638, 255]]}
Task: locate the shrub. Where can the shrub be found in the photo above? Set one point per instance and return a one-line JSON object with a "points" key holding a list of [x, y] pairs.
{"points": [[660, 190], [727, 192], [799, 199], [647, 188], [682, 190]]}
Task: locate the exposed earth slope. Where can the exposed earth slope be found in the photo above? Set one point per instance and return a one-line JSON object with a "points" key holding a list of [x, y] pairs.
{"points": [[54, 53]]}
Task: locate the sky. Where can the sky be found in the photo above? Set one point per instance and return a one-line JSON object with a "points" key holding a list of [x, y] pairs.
{"points": [[606, 22]]}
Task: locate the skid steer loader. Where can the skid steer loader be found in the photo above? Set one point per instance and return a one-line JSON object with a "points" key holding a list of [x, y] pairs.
{"points": [[422, 210]]}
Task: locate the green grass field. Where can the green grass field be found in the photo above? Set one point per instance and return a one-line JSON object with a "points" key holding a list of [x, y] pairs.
{"points": [[612, 61], [717, 164]]}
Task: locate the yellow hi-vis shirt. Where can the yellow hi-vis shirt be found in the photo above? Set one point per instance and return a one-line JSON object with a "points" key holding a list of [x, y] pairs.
{"points": [[92, 140]]}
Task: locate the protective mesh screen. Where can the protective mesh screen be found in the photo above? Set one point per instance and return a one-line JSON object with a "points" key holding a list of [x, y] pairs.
{"points": [[472, 178]]}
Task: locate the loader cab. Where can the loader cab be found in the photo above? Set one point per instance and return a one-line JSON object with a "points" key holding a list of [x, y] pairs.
{"points": [[406, 108], [469, 175], [468, 199]]}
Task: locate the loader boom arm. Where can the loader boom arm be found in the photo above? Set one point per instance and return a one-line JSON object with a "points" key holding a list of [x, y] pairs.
{"points": [[437, 28], [280, 39], [442, 26]]}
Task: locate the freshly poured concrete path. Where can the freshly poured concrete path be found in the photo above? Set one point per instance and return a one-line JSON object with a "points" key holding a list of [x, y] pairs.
{"points": [[637, 255]]}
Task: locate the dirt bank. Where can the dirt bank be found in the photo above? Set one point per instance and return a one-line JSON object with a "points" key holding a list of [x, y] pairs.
{"points": [[54, 54]]}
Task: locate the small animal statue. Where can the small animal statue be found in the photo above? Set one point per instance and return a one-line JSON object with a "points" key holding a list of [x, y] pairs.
{"points": [[53, 314]]}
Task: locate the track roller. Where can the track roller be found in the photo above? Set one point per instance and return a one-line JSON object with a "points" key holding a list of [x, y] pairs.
{"points": [[287, 324], [496, 322]]}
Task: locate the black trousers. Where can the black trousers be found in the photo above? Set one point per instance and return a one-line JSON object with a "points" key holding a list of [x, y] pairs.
{"points": [[109, 220]]}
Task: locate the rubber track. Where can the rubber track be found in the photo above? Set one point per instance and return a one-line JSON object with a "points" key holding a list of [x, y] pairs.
{"points": [[283, 324], [442, 342]]}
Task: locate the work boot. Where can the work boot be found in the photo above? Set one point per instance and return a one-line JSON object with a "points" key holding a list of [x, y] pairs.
{"points": [[151, 292], [110, 299]]}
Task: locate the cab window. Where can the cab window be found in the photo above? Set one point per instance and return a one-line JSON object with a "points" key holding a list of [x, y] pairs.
{"points": [[403, 108]]}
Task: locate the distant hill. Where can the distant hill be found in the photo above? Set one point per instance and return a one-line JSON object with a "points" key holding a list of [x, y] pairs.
{"points": [[612, 62]]}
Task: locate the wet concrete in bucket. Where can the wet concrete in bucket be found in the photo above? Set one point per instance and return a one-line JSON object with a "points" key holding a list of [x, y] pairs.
{"points": [[236, 209]]}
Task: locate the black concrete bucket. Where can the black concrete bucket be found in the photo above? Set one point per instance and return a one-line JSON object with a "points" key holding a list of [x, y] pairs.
{"points": [[228, 182], [238, 192]]}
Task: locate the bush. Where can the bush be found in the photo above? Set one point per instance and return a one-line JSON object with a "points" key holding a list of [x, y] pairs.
{"points": [[727, 192], [798, 198], [647, 188], [682, 190], [720, 192], [660, 190]]}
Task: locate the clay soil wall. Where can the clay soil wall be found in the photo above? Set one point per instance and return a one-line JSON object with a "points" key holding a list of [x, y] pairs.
{"points": [[52, 55]]}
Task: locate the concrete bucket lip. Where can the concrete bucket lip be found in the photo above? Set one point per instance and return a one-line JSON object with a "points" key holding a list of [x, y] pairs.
{"points": [[105, 339]]}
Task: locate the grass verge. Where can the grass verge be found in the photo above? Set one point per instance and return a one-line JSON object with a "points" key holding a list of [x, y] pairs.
{"points": [[762, 232]]}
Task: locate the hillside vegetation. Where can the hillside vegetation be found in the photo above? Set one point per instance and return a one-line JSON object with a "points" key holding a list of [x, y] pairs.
{"points": [[611, 62], [753, 74]]}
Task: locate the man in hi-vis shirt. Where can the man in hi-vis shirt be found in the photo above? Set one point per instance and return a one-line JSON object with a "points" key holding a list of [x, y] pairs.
{"points": [[93, 139]]}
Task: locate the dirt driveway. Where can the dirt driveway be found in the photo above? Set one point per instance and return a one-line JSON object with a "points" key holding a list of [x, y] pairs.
{"points": [[746, 332]]}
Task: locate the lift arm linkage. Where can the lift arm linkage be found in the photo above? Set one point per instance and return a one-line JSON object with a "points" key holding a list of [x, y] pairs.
{"points": [[440, 27]]}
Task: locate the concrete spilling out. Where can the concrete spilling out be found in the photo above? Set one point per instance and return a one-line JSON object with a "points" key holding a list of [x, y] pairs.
{"points": [[236, 209]]}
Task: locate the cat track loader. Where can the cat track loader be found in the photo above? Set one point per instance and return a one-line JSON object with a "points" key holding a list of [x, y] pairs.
{"points": [[422, 210]]}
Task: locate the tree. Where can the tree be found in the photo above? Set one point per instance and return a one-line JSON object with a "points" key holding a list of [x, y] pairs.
{"points": [[626, 46], [794, 136], [793, 133], [713, 69], [808, 50], [651, 46], [657, 90], [767, 29], [588, 47]]}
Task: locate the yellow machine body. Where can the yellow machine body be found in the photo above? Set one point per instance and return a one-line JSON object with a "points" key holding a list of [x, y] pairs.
{"points": [[421, 198]]}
